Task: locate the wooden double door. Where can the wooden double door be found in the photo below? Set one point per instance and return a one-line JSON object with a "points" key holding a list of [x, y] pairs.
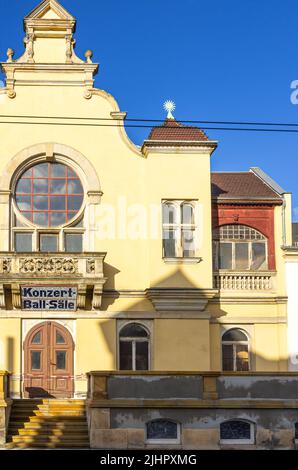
{"points": [[48, 357]]}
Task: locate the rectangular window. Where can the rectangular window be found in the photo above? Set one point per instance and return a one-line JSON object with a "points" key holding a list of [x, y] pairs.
{"points": [[23, 242], [125, 355], [179, 221], [241, 256], [142, 355], [73, 242], [258, 255], [227, 357], [48, 243], [225, 256], [35, 360], [60, 360], [169, 243]]}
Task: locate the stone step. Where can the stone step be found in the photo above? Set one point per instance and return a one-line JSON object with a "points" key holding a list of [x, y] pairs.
{"points": [[79, 430], [22, 414], [72, 425], [45, 438], [36, 445]]}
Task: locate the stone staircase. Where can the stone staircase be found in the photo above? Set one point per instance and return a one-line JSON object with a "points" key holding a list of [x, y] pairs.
{"points": [[48, 423]]}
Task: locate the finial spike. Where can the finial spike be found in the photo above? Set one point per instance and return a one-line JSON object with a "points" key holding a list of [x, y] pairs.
{"points": [[169, 106]]}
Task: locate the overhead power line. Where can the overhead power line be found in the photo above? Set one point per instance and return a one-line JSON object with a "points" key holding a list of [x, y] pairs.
{"points": [[240, 123]]}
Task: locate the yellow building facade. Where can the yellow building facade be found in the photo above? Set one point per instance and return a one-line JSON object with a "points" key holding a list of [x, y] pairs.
{"points": [[115, 256]]}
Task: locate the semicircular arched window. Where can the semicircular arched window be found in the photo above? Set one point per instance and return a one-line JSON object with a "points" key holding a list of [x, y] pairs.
{"points": [[235, 351], [162, 431], [239, 248], [47, 205], [134, 347], [237, 431]]}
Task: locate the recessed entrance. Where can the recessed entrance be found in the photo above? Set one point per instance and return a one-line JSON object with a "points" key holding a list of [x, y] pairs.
{"points": [[48, 355]]}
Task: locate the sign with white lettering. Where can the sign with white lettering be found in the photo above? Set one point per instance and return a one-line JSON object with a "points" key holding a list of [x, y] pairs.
{"points": [[58, 298]]}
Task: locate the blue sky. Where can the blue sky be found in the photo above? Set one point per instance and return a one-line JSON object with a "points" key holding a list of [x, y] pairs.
{"points": [[221, 60]]}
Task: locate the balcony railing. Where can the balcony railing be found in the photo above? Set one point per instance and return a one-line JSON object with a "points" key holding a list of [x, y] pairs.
{"points": [[84, 270], [244, 281]]}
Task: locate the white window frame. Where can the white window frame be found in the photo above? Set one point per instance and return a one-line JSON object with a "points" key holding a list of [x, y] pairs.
{"points": [[249, 241], [148, 329], [240, 441], [164, 441], [178, 227]]}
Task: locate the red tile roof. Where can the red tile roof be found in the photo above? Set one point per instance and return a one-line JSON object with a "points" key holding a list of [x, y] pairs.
{"points": [[244, 185], [171, 130]]}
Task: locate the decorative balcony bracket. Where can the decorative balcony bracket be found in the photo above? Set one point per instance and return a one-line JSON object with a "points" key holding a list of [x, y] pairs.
{"points": [[82, 270]]}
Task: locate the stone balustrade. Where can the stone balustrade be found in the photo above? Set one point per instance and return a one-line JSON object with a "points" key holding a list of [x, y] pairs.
{"points": [[5, 404], [244, 281]]}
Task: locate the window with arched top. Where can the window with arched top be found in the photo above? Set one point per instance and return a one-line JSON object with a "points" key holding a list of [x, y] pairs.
{"points": [[239, 248], [237, 431], [180, 226], [134, 347], [162, 431], [47, 206], [235, 350]]}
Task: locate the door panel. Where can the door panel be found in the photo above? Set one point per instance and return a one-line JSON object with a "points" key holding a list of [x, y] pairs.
{"points": [[48, 353]]}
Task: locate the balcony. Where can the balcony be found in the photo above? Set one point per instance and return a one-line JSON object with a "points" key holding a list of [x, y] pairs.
{"points": [[84, 271], [244, 281]]}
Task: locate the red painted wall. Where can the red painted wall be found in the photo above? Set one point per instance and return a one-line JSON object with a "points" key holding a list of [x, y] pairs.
{"points": [[259, 217]]}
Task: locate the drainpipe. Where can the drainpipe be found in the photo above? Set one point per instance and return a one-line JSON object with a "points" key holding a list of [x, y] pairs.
{"points": [[284, 225]]}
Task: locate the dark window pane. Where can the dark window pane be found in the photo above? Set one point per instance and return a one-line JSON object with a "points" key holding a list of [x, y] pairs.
{"points": [[41, 170], [59, 338], [58, 203], [35, 360], [296, 431], [36, 338], [61, 360], [23, 242], [188, 243], [23, 203], [234, 335], [162, 429], [48, 243], [58, 170], [227, 357], [225, 255], [40, 203], [234, 430], [74, 242], [41, 218], [241, 256], [40, 186], [169, 244], [142, 355], [125, 355], [133, 330], [74, 203], [242, 363], [23, 186], [258, 255]]}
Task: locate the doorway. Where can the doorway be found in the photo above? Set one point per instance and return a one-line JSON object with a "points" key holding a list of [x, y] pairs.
{"points": [[48, 362]]}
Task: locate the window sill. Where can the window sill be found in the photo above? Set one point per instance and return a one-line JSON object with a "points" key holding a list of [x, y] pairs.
{"points": [[194, 260]]}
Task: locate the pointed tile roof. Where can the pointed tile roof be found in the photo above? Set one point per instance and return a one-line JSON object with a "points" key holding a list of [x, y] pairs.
{"points": [[171, 130]]}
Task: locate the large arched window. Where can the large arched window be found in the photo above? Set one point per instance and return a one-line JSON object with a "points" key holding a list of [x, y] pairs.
{"points": [[239, 248], [235, 350], [47, 209], [237, 432], [134, 347], [162, 431]]}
